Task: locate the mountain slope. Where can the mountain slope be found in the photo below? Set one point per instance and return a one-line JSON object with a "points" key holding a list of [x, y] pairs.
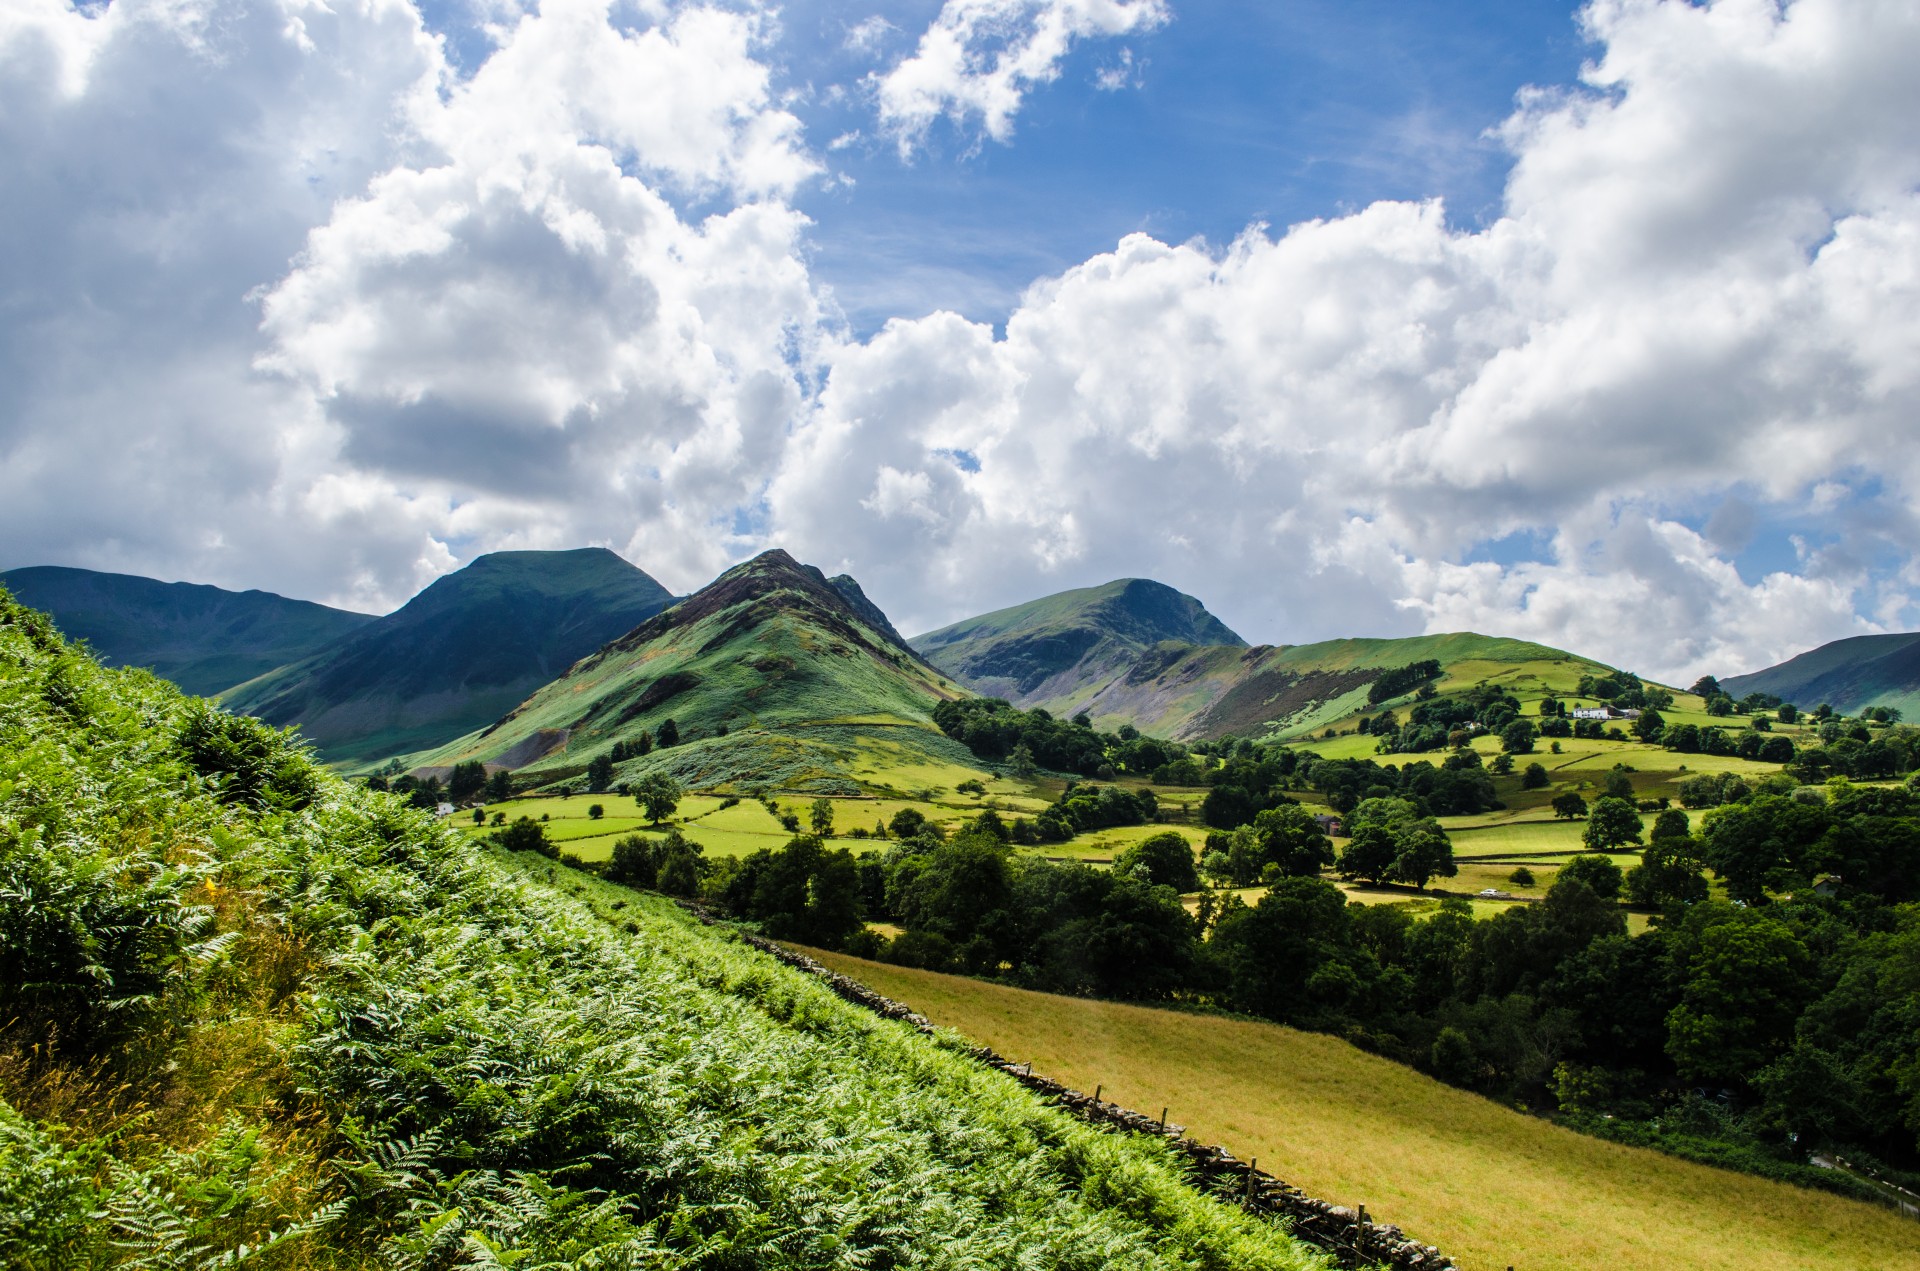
{"points": [[1289, 690], [1052, 650], [495, 1066], [1849, 675], [770, 644], [470, 646], [205, 639]]}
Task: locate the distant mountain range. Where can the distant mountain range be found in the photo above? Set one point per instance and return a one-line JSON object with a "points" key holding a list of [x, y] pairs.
{"points": [[772, 670], [1139, 652], [1848, 675], [205, 639], [543, 660], [463, 652]]}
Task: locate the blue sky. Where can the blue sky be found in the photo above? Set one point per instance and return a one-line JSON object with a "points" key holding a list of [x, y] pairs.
{"points": [[1232, 113], [693, 278]]}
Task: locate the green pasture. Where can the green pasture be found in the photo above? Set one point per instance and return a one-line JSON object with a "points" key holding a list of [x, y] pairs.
{"points": [[1493, 1187]]}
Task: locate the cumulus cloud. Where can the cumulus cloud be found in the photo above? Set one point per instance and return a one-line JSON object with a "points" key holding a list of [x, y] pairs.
{"points": [[336, 312], [980, 58], [1703, 279], [344, 314]]}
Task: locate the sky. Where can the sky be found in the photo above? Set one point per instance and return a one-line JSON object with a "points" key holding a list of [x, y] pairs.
{"points": [[1593, 325]]}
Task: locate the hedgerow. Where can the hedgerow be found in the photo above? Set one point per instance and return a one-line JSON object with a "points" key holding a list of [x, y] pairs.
{"points": [[252, 1014]]}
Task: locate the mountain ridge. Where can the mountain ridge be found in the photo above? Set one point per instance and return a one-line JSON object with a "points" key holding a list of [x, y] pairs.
{"points": [[469, 646], [770, 643], [1849, 674], [203, 638]]}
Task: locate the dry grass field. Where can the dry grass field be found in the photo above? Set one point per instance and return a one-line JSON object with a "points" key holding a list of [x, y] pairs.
{"points": [[1491, 1186]]}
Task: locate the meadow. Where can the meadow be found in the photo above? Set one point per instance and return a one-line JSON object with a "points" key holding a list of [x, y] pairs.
{"points": [[1490, 1186]]}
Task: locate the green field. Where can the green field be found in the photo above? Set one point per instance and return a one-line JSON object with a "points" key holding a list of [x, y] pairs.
{"points": [[1490, 1186]]}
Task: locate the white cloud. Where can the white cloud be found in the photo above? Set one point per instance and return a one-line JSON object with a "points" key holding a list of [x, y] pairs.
{"points": [[980, 58], [339, 318], [1704, 279]]}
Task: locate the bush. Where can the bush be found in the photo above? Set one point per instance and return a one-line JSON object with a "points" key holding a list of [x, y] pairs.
{"points": [[527, 835]]}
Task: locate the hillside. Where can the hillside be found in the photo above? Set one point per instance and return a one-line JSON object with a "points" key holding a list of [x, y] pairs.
{"points": [[205, 639], [1054, 650], [1849, 675], [468, 648], [1192, 693], [1492, 1186], [257, 1015], [771, 674]]}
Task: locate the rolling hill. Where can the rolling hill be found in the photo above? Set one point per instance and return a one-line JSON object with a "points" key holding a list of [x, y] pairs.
{"points": [[1053, 650], [466, 649], [1138, 652], [1849, 675], [772, 673], [204, 639]]}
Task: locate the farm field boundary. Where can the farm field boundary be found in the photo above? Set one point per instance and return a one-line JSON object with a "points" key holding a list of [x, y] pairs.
{"points": [[1349, 1235]]}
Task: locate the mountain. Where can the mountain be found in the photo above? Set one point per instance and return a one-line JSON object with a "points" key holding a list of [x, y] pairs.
{"points": [[469, 647], [1190, 693], [1849, 675], [205, 639], [1052, 651], [772, 672]]}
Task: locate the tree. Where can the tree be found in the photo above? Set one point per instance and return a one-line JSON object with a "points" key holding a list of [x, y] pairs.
{"points": [[1705, 686], [595, 812], [600, 774], [1534, 777], [668, 736], [1292, 839], [1502, 763], [527, 835], [1611, 823], [1670, 873], [1599, 873], [906, 823], [1671, 823], [1788, 713], [1569, 806], [1746, 977], [500, 786], [658, 796], [1517, 738], [820, 816], [1164, 860], [1648, 727], [1618, 785], [466, 781], [479, 816], [1021, 763]]}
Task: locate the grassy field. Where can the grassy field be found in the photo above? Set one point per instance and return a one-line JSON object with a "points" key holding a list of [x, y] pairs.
{"points": [[1490, 1186]]}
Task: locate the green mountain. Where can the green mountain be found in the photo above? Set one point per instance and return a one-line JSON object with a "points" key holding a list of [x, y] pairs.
{"points": [[469, 647], [1057, 649], [1191, 693], [498, 1062], [772, 674], [1849, 675], [205, 639]]}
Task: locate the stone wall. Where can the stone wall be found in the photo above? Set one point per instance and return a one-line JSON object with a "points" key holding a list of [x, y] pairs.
{"points": [[1349, 1235]]}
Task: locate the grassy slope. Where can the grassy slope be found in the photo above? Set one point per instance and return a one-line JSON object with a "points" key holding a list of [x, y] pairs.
{"points": [[1491, 1186], [1053, 651], [813, 697], [461, 653], [482, 1059], [1290, 691], [205, 639]]}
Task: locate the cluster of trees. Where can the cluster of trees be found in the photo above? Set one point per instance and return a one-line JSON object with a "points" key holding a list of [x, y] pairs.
{"points": [[1443, 722], [1402, 680], [1625, 690], [1030, 740]]}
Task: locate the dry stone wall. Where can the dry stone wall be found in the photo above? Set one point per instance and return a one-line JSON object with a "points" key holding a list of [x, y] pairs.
{"points": [[1348, 1234]]}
